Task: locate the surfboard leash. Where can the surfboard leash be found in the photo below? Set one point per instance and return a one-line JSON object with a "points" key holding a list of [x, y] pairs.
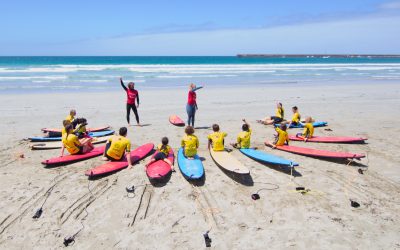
{"points": [[208, 210], [71, 239], [39, 212]]}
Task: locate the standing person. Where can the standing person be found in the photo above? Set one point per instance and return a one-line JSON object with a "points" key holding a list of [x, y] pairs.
{"points": [[132, 94], [191, 105]]}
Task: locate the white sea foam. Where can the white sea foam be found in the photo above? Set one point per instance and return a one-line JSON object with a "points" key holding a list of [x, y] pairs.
{"points": [[203, 68], [15, 78]]}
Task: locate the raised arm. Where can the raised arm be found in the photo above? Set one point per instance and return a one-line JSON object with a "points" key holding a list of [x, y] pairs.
{"points": [[197, 88], [245, 122], [122, 84]]}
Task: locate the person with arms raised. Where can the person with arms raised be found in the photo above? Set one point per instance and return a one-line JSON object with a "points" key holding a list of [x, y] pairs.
{"points": [[132, 95]]}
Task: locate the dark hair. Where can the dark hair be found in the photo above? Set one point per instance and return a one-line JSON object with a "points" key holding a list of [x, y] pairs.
{"points": [[164, 141], [68, 127], [215, 127], [79, 120], [280, 104], [245, 127], [66, 122], [189, 130], [283, 127], [131, 85], [123, 131], [294, 107]]}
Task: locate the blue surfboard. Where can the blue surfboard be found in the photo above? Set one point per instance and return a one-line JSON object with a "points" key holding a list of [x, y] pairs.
{"points": [[267, 158], [92, 134], [191, 169], [301, 125]]}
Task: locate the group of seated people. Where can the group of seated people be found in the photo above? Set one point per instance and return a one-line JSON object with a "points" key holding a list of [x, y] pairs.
{"points": [[77, 141], [74, 136]]}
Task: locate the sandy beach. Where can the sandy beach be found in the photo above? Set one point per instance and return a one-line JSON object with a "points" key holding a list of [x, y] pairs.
{"points": [[176, 214]]}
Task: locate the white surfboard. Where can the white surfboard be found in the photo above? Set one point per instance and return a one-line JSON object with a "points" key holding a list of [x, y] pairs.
{"points": [[228, 162], [58, 144]]}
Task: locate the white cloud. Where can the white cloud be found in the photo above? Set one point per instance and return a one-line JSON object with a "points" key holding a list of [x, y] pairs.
{"points": [[378, 35], [395, 5]]}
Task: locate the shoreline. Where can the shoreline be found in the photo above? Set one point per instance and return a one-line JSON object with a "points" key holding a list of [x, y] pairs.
{"points": [[269, 83]]}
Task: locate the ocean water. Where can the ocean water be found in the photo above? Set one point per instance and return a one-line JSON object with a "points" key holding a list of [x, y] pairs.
{"points": [[41, 74]]}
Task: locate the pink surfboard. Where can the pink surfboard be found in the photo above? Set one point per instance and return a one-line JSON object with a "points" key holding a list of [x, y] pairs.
{"points": [[73, 158], [159, 169], [112, 166], [319, 153], [175, 120], [88, 129], [330, 139]]}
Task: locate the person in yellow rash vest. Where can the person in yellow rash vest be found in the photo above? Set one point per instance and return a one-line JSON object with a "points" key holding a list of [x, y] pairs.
{"points": [[117, 145], [73, 145], [295, 118], [190, 143], [216, 139], [277, 118], [163, 150], [281, 137], [243, 138], [63, 130], [71, 116], [308, 131]]}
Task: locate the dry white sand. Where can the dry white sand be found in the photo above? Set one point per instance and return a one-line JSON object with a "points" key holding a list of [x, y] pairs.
{"points": [[175, 215]]}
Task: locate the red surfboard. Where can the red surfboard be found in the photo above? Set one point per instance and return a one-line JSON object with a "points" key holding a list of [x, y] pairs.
{"points": [[88, 129], [159, 169], [175, 120], [73, 158], [330, 139], [319, 153], [112, 166]]}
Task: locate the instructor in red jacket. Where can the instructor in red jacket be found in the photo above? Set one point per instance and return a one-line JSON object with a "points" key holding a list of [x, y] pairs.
{"points": [[132, 94]]}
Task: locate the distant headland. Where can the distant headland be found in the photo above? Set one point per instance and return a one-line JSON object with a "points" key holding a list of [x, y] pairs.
{"points": [[317, 56]]}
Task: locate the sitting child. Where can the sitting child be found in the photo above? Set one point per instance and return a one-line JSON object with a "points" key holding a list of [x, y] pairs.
{"points": [[281, 137], [162, 153], [75, 146], [277, 118], [190, 143], [117, 145], [216, 139], [80, 127], [71, 116], [243, 138], [295, 118], [308, 131]]}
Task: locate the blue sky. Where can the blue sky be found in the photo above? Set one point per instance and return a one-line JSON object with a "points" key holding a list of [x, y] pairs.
{"points": [[206, 27]]}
